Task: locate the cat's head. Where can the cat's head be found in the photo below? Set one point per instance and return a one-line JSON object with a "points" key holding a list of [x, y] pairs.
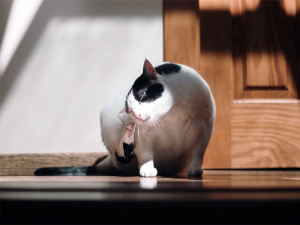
{"points": [[149, 98]]}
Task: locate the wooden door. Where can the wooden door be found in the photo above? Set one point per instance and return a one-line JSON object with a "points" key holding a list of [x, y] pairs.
{"points": [[248, 51]]}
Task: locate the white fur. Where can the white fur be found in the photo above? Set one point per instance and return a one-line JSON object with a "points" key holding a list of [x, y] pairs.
{"points": [[148, 170], [171, 131]]}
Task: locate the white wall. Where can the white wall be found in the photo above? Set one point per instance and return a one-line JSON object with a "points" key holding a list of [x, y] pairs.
{"points": [[74, 57]]}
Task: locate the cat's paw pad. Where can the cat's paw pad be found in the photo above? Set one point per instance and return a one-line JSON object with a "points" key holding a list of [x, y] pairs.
{"points": [[148, 170], [195, 172]]}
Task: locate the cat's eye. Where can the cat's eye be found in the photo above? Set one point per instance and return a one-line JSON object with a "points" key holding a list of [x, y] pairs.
{"points": [[142, 95]]}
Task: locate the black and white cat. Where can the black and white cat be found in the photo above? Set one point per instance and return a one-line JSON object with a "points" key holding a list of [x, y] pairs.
{"points": [[161, 124]]}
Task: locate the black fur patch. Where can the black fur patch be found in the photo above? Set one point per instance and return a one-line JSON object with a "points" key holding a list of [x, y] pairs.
{"points": [[150, 94], [124, 160], [142, 83], [128, 149], [148, 88], [167, 68]]}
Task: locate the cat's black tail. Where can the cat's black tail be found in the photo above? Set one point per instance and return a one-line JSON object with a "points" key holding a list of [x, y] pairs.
{"points": [[103, 167], [66, 171]]}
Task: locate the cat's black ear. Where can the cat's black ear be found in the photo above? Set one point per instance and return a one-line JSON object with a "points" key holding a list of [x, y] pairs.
{"points": [[149, 70]]}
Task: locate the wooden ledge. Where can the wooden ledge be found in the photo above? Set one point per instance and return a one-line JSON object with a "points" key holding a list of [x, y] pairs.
{"points": [[26, 164]]}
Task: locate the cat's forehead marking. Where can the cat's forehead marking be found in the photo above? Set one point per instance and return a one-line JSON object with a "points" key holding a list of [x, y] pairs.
{"points": [[148, 94]]}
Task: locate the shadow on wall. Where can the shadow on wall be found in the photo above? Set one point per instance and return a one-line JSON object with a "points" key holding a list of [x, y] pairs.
{"points": [[4, 11], [74, 56], [49, 11]]}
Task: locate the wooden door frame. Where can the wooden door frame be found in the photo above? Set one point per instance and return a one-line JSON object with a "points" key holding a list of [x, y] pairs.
{"points": [[182, 45]]}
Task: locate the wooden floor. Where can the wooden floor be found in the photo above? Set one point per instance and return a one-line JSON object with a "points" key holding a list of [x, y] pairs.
{"points": [[220, 196]]}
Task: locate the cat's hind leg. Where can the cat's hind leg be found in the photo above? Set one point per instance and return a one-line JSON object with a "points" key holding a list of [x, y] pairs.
{"points": [[194, 169], [195, 165]]}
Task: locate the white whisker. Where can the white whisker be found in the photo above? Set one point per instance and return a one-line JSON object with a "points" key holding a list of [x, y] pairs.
{"points": [[140, 138], [146, 137], [162, 123], [158, 126], [155, 127], [146, 131]]}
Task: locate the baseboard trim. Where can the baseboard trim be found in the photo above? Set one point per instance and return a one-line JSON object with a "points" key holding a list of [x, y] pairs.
{"points": [[26, 164]]}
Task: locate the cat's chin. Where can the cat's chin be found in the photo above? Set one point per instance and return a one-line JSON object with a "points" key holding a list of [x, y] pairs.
{"points": [[141, 122]]}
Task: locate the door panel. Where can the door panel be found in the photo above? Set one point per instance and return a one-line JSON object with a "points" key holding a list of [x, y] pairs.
{"points": [[265, 134], [265, 47], [264, 52], [248, 51], [265, 110]]}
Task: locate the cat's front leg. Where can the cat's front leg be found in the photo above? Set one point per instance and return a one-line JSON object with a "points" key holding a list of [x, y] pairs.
{"points": [[144, 154], [148, 169]]}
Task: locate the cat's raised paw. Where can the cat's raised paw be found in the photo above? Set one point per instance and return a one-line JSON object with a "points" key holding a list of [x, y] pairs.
{"points": [[130, 129], [127, 136], [148, 170]]}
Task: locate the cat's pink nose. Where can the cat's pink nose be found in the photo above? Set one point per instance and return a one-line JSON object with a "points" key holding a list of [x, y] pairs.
{"points": [[138, 116]]}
